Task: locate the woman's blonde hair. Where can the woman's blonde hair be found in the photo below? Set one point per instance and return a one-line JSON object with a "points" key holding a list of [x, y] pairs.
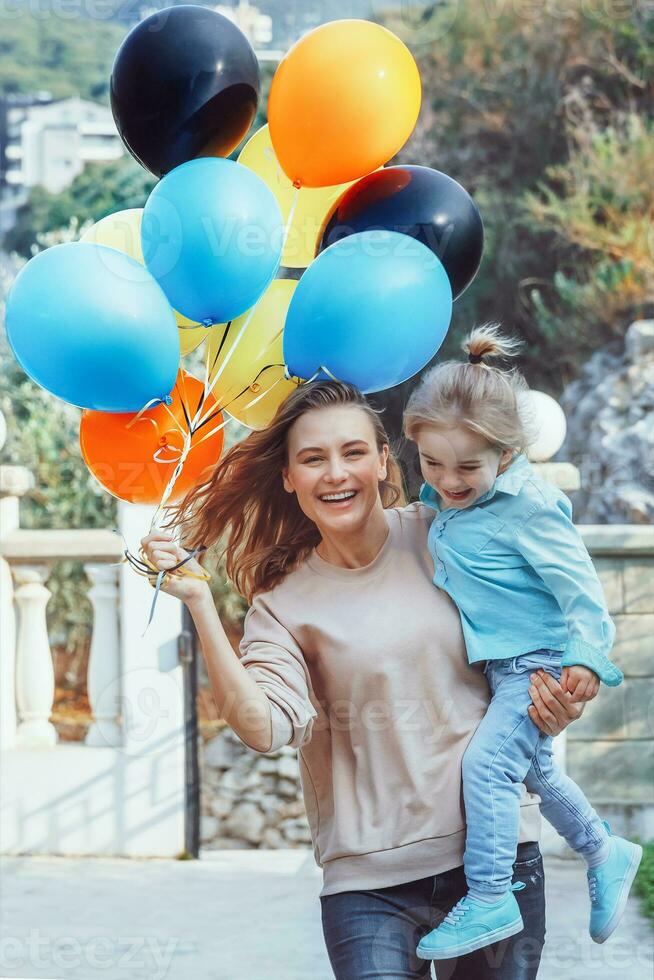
{"points": [[484, 398], [263, 532]]}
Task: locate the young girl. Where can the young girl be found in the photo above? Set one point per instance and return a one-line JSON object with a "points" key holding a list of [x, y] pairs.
{"points": [[506, 551]]}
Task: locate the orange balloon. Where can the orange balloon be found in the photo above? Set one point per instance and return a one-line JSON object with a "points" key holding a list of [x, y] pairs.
{"points": [[135, 462], [342, 102]]}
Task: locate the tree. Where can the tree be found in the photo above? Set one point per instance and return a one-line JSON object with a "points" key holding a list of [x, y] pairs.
{"points": [[99, 189]]}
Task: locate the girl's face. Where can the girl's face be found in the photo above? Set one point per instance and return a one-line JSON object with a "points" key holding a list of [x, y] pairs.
{"points": [[458, 463], [334, 467]]}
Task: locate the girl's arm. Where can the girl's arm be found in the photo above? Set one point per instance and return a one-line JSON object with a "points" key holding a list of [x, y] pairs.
{"points": [[552, 545]]}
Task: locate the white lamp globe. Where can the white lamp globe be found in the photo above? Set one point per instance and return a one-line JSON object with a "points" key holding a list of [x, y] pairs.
{"points": [[549, 422]]}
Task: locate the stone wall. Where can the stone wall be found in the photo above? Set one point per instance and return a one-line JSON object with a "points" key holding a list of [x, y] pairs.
{"points": [[248, 799], [610, 413], [251, 800], [610, 750]]}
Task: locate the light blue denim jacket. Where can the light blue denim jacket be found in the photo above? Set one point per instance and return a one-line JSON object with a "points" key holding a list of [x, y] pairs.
{"points": [[518, 569]]}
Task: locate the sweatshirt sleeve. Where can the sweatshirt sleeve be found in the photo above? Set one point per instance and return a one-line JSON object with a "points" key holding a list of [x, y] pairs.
{"points": [[271, 654], [552, 545]]}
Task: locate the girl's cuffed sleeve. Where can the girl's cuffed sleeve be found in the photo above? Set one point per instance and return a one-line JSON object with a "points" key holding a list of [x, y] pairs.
{"points": [[271, 654], [552, 545]]}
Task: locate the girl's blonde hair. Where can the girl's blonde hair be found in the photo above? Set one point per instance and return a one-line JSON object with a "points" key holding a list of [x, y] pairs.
{"points": [[480, 396], [262, 530]]}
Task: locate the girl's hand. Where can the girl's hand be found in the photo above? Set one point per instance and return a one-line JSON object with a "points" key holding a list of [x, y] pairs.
{"points": [[581, 682], [552, 708], [164, 552]]}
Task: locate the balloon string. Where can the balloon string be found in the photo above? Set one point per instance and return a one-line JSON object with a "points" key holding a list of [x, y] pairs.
{"points": [[321, 370], [186, 448], [207, 369], [216, 377], [228, 356], [144, 567], [291, 215], [199, 418], [269, 153], [183, 397], [245, 408], [148, 405], [226, 406]]}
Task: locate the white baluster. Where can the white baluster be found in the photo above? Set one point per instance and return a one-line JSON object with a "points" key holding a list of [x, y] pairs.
{"points": [[7, 659], [103, 680], [34, 668]]}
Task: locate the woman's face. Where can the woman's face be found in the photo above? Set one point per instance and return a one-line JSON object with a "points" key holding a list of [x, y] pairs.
{"points": [[334, 467]]}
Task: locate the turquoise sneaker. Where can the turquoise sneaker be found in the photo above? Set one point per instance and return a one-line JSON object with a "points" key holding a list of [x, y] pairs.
{"points": [[609, 885], [471, 925]]}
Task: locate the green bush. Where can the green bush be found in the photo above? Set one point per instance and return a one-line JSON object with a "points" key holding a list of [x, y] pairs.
{"points": [[644, 884]]}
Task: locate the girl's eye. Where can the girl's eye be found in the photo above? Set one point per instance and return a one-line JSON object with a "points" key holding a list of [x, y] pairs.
{"points": [[469, 469], [355, 452]]}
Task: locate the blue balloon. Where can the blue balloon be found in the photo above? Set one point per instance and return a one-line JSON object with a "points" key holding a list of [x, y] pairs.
{"points": [[212, 237], [372, 309], [91, 325]]}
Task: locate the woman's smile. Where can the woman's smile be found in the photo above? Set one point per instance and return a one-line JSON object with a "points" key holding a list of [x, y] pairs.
{"points": [[338, 499]]}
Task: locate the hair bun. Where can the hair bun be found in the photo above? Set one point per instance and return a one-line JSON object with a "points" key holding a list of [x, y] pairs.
{"points": [[475, 358]]}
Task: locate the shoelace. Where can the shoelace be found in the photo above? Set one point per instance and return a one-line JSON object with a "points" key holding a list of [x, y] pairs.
{"points": [[454, 916], [592, 888]]}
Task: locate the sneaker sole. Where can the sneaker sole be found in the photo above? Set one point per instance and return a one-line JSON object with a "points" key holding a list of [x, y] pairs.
{"points": [[461, 950], [614, 921]]}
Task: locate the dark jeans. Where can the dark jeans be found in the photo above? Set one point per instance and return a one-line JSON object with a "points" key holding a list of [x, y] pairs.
{"points": [[372, 935]]}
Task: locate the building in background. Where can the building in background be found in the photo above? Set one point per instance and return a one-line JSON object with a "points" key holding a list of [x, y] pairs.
{"points": [[257, 27], [47, 143]]}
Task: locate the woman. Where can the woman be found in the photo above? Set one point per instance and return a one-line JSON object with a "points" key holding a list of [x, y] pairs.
{"points": [[350, 655]]}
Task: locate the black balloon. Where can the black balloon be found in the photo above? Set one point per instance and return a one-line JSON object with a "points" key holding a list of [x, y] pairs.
{"points": [[417, 201], [185, 83]]}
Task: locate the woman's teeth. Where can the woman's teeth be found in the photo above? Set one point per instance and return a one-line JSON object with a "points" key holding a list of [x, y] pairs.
{"points": [[345, 495]]}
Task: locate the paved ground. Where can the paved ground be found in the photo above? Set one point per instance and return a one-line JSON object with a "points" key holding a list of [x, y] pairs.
{"points": [[236, 915]]}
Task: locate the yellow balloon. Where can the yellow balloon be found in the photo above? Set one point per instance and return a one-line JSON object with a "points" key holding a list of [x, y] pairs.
{"points": [[122, 231], [256, 367], [312, 203]]}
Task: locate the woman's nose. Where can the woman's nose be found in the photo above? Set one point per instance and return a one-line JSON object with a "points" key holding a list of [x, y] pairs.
{"points": [[336, 470]]}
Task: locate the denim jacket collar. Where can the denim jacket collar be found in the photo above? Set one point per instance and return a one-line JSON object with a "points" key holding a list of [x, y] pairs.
{"points": [[511, 481]]}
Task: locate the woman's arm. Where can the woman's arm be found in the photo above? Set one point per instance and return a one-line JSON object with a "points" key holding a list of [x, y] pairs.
{"points": [[552, 709], [239, 699]]}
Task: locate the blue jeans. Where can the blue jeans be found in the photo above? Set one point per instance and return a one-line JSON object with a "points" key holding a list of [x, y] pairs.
{"points": [[372, 935], [506, 750]]}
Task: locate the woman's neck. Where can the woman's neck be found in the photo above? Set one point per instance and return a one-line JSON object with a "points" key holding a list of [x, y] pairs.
{"points": [[355, 548]]}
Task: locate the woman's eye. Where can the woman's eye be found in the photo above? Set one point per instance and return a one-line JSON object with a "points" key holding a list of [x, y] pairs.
{"points": [[355, 452], [312, 459], [469, 469]]}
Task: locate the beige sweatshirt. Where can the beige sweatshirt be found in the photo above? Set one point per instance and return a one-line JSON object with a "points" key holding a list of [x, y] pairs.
{"points": [[366, 674]]}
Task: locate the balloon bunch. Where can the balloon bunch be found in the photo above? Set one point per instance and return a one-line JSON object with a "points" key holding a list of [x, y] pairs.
{"points": [[102, 322]]}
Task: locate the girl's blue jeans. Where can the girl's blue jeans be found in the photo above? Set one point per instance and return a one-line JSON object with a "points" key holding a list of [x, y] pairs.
{"points": [[508, 749], [372, 934]]}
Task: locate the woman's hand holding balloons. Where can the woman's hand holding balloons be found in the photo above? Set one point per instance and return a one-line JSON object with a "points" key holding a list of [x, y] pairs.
{"points": [[162, 551]]}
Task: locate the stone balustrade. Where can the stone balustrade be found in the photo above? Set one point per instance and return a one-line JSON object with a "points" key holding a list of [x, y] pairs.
{"points": [[28, 557], [122, 791]]}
